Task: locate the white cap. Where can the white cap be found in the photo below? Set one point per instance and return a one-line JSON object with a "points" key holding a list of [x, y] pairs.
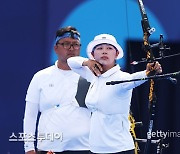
{"points": [[104, 38]]}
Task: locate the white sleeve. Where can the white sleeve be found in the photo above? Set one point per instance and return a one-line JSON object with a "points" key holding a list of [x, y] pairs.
{"points": [[75, 63], [30, 117], [137, 75], [31, 112]]}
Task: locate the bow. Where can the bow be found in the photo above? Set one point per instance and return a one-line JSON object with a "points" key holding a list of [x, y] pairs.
{"points": [[132, 131], [150, 58], [147, 31]]}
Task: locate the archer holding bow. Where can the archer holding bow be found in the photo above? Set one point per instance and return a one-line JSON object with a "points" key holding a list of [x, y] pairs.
{"points": [[109, 132]]}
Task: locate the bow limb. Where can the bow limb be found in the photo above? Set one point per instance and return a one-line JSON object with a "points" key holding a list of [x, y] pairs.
{"points": [[147, 31]]}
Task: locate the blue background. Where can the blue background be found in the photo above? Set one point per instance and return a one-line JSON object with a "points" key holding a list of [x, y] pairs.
{"points": [[27, 31]]}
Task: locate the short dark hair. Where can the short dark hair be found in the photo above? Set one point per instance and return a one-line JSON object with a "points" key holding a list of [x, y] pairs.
{"points": [[63, 30], [104, 43]]}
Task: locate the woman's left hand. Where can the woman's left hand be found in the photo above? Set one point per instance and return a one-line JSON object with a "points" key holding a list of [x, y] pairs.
{"points": [[156, 66]]}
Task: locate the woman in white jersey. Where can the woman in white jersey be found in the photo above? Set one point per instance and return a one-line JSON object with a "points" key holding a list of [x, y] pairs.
{"points": [[109, 130], [63, 126]]}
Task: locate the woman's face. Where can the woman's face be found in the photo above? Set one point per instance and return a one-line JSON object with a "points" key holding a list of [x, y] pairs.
{"points": [[105, 54]]}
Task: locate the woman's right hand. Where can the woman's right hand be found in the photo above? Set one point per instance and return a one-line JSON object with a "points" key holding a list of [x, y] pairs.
{"points": [[94, 66]]}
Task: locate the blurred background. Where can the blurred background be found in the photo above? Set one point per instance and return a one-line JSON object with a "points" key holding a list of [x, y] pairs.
{"points": [[27, 33]]}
